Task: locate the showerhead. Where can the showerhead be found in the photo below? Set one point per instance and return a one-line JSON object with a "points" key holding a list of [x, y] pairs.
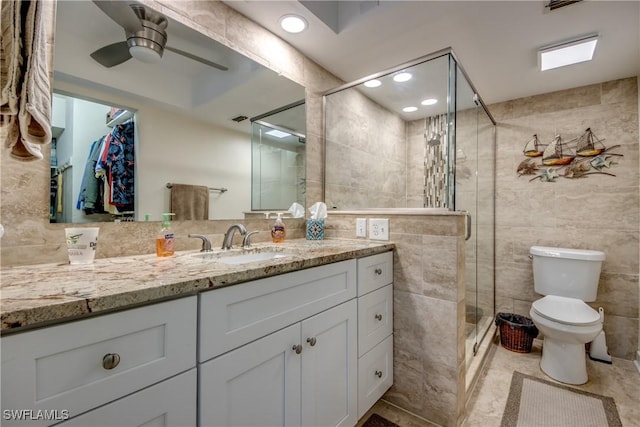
{"points": [[435, 141]]}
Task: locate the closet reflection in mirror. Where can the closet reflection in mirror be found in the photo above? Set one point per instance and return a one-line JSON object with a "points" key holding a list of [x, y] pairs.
{"points": [[185, 132], [99, 140]]}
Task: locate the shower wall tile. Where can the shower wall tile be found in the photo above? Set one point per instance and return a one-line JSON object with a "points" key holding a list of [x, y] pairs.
{"points": [[441, 272], [366, 153], [408, 263], [429, 311]]}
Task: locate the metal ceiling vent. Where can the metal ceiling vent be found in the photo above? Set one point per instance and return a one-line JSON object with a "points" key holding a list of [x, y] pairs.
{"points": [[557, 4]]}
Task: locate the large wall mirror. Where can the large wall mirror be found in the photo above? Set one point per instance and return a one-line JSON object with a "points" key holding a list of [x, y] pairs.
{"points": [[188, 116]]}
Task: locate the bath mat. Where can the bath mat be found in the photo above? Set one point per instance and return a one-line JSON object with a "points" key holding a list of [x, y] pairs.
{"points": [[534, 402], [376, 420]]}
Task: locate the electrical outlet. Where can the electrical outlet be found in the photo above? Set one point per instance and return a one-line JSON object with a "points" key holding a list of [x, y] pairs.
{"points": [[379, 229], [361, 227]]}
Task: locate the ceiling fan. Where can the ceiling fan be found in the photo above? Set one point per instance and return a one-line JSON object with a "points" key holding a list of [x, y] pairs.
{"points": [[145, 32]]}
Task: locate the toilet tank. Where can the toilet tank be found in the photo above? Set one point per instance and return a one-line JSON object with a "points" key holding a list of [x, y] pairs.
{"points": [[572, 273]]}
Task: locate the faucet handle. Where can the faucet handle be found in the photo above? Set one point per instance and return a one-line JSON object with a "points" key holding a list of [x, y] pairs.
{"points": [[206, 244], [246, 241]]}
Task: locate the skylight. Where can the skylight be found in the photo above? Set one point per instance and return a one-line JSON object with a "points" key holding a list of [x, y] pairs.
{"points": [[567, 53]]}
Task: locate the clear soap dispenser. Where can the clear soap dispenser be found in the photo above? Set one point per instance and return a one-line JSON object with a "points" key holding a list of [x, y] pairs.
{"points": [[165, 239], [278, 231]]}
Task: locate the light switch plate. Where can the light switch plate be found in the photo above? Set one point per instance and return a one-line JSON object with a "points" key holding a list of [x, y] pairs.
{"points": [[379, 229], [361, 227]]}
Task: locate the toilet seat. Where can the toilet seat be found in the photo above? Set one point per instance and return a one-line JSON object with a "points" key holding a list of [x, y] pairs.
{"points": [[568, 311]]}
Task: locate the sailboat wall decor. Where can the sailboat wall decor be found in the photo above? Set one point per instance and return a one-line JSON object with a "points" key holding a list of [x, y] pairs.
{"points": [[557, 153], [533, 148], [577, 158]]}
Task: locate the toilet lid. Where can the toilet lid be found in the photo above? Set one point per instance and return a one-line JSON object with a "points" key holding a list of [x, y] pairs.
{"points": [[570, 311]]}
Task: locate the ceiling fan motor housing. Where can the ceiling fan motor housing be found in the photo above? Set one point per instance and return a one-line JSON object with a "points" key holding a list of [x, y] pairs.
{"points": [[151, 36]]}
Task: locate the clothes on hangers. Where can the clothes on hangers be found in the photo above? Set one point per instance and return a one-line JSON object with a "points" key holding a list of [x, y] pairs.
{"points": [[108, 180]]}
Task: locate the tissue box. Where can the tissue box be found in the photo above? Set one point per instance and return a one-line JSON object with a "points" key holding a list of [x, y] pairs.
{"points": [[315, 229]]}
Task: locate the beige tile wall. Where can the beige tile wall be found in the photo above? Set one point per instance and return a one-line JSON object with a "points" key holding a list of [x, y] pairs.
{"points": [[596, 212], [429, 313]]}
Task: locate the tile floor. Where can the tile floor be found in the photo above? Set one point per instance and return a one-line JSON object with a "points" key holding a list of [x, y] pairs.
{"points": [[620, 380]]}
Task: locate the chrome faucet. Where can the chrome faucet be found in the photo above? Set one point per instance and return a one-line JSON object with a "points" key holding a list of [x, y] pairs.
{"points": [[227, 243], [206, 244], [246, 241]]}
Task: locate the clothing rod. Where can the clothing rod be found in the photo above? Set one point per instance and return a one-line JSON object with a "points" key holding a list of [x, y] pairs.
{"points": [[221, 189]]}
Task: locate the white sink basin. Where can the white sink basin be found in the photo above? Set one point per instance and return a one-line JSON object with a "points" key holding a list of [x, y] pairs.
{"points": [[252, 257], [243, 257]]}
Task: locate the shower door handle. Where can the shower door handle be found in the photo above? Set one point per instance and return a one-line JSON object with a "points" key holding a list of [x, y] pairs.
{"points": [[467, 225]]}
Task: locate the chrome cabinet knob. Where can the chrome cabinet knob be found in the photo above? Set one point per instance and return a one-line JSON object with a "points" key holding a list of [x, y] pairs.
{"points": [[311, 341], [110, 360], [297, 348], [378, 374], [378, 271], [379, 317]]}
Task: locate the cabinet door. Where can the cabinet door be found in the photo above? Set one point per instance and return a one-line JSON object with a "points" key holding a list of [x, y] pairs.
{"points": [[166, 404], [255, 385], [329, 367]]}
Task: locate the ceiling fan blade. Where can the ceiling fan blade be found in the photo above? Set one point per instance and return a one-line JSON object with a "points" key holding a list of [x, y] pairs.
{"points": [[112, 54], [121, 13], [196, 58]]}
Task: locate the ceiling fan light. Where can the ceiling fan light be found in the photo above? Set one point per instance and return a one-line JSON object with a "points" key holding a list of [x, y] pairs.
{"points": [[145, 54]]}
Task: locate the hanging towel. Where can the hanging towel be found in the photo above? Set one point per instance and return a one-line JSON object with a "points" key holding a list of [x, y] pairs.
{"points": [[11, 63], [25, 64], [190, 202]]}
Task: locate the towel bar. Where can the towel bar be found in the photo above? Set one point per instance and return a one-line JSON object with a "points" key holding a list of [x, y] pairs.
{"points": [[221, 189]]}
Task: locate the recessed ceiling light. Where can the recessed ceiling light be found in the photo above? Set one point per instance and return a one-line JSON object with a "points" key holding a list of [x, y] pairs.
{"points": [[402, 77], [293, 23], [429, 101], [277, 133], [372, 83], [409, 109], [567, 53]]}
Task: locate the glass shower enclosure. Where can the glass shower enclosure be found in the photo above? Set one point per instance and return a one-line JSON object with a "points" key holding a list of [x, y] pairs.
{"points": [[423, 139], [278, 158]]}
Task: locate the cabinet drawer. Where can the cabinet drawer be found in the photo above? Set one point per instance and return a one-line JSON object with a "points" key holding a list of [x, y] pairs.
{"points": [[375, 318], [62, 367], [375, 375], [169, 403], [374, 272], [235, 315]]}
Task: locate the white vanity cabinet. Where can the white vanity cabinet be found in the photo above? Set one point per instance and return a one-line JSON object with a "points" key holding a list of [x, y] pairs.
{"points": [[62, 371], [375, 329], [281, 351]]}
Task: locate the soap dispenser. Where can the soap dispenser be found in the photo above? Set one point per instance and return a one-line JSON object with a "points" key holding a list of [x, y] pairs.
{"points": [[165, 239], [278, 231]]}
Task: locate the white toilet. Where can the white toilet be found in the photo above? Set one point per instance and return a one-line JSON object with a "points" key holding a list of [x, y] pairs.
{"points": [[568, 278]]}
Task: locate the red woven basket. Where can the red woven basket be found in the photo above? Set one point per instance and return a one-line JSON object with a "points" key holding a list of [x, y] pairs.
{"points": [[516, 332]]}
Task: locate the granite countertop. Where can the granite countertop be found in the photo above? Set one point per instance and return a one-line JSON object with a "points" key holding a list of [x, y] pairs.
{"points": [[38, 295]]}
